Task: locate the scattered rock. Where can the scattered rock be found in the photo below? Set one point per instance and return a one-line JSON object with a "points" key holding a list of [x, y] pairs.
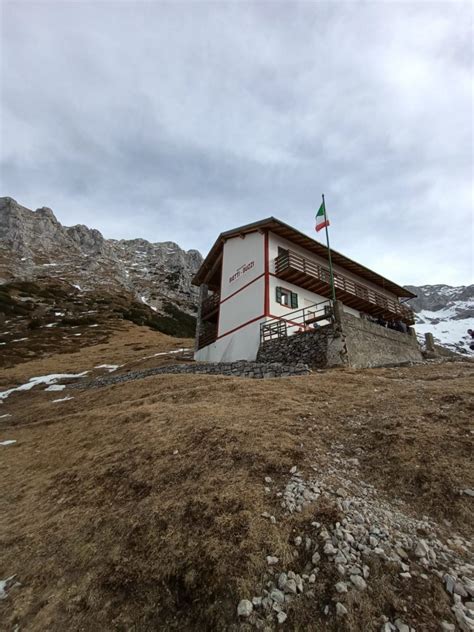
{"points": [[359, 582], [421, 549], [277, 595], [401, 627], [272, 560], [341, 610], [244, 609], [281, 617], [290, 587]]}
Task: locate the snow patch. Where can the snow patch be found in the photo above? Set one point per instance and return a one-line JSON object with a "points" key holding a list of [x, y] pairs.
{"points": [[143, 299], [56, 387], [62, 399], [8, 442], [110, 367], [3, 586], [162, 353], [51, 379]]}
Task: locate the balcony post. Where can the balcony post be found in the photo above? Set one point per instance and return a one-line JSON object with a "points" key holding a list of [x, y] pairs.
{"points": [[203, 292]]}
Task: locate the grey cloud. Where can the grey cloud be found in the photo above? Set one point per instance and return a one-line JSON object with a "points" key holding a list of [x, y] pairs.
{"points": [[178, 121]]}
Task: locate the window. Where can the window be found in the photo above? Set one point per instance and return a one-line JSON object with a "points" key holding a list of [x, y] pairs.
{"points": [[287, 298]]}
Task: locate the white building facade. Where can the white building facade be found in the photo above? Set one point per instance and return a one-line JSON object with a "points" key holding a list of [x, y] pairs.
{"points": [[268, 272]]}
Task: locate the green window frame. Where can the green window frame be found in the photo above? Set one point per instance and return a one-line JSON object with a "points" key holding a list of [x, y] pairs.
{"points": [[291, 298]]}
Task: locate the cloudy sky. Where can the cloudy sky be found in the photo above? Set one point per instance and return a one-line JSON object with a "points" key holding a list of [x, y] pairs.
{"points": [[178, 120]]}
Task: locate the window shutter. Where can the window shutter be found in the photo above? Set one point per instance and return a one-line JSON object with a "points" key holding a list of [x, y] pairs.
{"points": [[294, 299], [278, 295]]}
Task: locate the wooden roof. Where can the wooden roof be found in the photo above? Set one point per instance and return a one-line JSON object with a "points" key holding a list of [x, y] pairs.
{"points": [[209, 265]]}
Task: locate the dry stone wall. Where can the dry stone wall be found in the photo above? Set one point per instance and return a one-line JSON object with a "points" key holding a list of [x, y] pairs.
{"points": [[320, 348], [243, 368]]}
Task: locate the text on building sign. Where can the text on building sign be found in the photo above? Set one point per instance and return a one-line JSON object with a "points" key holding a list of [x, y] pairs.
{"points": [[242, 270]]}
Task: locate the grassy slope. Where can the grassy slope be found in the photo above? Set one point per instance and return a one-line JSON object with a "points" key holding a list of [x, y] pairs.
{"points": [[46, 317], [107, 529]]}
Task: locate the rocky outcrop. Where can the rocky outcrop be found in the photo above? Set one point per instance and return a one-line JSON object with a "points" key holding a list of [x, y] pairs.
{"points": [[35, 245]]}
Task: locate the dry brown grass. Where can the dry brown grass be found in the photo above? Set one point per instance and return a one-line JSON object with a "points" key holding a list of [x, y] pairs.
{"points": [[107, 529]]}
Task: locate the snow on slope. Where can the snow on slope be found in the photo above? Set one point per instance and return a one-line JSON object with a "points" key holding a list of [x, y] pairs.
{"points": [[446, 312]]}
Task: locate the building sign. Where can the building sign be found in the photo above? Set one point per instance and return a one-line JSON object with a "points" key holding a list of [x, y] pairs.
{"points": [[241, 271]]}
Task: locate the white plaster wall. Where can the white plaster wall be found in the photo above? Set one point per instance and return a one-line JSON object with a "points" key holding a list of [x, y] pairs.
{"points": [[275, 241], [238, 252], [242, 307], [240, 345], [276, 309]]}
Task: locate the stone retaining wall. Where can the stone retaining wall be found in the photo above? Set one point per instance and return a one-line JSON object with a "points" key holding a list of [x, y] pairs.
{"points": [[351, 341], [321, 348], [243, 368], [370, 345]]}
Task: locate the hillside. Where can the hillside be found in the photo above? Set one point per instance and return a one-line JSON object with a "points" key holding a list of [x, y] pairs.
{"points": [[63, 288], [341, 500]]}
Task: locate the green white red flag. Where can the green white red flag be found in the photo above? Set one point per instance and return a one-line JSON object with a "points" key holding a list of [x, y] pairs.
{"points": [[321, 218]]}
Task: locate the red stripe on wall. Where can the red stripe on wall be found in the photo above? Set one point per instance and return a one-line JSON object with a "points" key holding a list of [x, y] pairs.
{"points": [[231, 331], [242, 288], [266, 309]]}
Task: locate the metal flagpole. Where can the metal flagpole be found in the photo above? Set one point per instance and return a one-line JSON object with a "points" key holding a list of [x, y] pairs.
{"points": [[331, 273]]}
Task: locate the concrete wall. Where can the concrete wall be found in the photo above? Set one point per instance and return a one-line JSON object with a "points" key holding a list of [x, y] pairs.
{"points": [[351, 341], [369, 344]]}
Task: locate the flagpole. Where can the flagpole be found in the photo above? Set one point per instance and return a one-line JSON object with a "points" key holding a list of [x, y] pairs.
{"points": [[331, 273]]}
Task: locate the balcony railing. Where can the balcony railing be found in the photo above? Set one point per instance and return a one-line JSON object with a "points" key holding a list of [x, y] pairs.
{"points": [[210, 304], [307, 273], [299, 321]]}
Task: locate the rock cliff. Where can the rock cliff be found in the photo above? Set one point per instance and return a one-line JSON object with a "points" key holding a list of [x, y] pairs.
{"points": [[35, 245]]}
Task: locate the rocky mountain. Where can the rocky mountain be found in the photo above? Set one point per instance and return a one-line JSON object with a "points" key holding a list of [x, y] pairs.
{"points": [[34, 245], [445, 311]]}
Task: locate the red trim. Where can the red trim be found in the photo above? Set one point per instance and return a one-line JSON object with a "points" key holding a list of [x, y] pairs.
{"points": [[231, 331], [242, 288], [266, 260]]}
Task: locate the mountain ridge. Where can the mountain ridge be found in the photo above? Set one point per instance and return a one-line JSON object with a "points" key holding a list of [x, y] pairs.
{"points": [[34, 245]]}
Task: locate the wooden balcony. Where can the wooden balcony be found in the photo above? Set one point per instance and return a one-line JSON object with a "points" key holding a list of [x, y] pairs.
{"points": [[307, 274], [207, 336], [210, 305]]}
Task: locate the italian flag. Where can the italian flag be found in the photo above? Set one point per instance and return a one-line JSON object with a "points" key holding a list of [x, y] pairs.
{"points": [[321, 219]]}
